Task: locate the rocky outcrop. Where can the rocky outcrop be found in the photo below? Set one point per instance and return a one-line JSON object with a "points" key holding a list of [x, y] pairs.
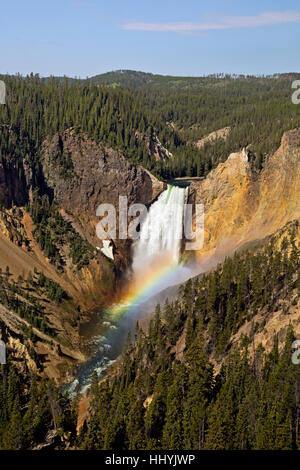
{"points": [[15, 181], [41, 355], [95, 174], [17, 171], [219, 134], [157, 150], [83, 175], [241, 205]]}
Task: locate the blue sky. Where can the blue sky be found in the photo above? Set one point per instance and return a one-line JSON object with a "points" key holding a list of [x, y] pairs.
{"points": [[190, 37]]}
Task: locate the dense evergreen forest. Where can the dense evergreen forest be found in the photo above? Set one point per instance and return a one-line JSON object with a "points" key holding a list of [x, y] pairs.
{"points": [[33, 412], [176, 110], [52, 232], [157, 400]]}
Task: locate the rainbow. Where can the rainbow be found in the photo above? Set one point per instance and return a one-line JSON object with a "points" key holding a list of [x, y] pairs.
{"points": [[165, 273]]}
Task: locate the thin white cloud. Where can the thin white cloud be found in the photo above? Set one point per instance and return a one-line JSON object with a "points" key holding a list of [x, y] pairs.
{"points": [[267, 18], [82, 3]]}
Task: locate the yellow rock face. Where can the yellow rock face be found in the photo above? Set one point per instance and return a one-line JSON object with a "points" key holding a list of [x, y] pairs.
{"points": [[241, 206]]}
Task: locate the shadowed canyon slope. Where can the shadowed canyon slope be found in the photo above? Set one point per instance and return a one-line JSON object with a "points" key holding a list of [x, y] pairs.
{"points": [[77, 175], [83, 174]]}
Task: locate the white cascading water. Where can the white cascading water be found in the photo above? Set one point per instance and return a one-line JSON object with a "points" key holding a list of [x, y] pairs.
{"points": [[162, 230], [161, 235]]}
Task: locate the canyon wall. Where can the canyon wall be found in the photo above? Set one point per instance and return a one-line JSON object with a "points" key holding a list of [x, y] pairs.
{"points": [[78, 175], [242, 205]]}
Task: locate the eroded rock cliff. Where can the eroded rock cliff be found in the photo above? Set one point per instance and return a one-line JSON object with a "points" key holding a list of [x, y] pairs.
{"points": [[77, 175], [241, 205], [83, 175]]}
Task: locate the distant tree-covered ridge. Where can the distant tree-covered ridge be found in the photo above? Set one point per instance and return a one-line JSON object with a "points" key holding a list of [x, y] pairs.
{"points": [[177, 110]]}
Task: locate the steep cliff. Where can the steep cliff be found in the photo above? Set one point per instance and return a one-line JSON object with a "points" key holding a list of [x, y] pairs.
{"points": [[242, 205], [84, 175], [243, 208], [75, 175]]}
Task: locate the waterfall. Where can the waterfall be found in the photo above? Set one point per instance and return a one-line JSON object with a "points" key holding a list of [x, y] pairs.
{"points": [[159, 245], [162, 230]]}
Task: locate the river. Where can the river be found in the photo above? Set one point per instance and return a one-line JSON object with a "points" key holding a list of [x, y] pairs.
{"points": [[156, 267]]}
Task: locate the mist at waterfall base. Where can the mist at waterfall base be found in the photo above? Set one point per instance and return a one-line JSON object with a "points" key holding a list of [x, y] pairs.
{"points": [[155, 269]]}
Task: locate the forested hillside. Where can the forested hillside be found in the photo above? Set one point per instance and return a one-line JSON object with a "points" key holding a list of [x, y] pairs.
{"points": [[185, 384], [168, 390], [33, 413], [176, 110]]}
